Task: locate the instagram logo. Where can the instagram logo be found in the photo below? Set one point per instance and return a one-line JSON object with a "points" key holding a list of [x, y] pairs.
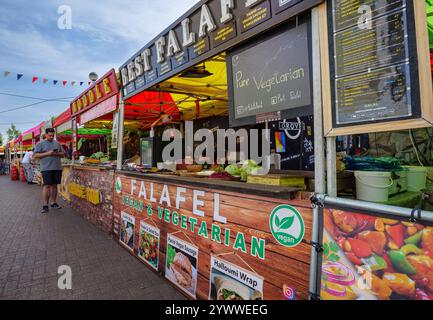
{"points": [[289, 293]]}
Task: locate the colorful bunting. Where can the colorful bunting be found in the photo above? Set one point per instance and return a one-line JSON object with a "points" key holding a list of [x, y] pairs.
{"points": [[35, 79]]}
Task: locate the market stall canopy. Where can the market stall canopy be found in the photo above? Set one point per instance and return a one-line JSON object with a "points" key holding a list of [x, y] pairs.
{"points": [[86, 133], [32, 133], [200, 91], [63, 121], [150, 108]]}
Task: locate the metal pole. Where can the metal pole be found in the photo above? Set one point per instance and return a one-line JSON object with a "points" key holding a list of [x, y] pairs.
{"points": [[331, 165], [120, 132], [319, 148]]}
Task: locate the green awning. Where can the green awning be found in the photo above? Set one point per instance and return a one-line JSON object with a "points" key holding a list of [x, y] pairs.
{"points": [[429, 9], [90, 132]]}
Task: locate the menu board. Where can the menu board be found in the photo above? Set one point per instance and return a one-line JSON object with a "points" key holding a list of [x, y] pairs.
{"points": [[262, 78], [372, 66]]}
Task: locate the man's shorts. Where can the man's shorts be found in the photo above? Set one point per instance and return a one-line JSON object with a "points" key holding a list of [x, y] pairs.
{"points": [[52, 177]]}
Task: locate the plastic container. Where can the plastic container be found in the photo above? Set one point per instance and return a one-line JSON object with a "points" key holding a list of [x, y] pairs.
{"points": [[373, 186], [416, 178], [400, 182]]}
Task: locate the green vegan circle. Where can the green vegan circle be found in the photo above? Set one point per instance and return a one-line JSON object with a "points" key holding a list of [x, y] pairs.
{"points": [[287, 225]]}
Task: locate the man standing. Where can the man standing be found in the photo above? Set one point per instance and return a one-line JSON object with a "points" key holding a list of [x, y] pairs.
{"points": [[50, 152], [28, 166]]}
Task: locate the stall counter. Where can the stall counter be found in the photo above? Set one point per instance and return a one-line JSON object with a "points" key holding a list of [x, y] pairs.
{"points": [[89, 190], [228, 234]]}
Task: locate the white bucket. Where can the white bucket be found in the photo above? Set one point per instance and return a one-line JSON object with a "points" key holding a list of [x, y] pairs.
{"points": [[373, 186], [416, 178]]}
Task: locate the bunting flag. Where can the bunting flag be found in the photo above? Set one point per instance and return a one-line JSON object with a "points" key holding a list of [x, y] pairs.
{"points": [[36, 79]]}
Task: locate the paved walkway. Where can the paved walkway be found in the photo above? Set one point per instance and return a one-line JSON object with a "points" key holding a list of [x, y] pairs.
{"points": [[33, 246]]}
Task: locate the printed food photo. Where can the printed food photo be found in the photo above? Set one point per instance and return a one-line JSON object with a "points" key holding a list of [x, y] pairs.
{"points": [[368, 257]]}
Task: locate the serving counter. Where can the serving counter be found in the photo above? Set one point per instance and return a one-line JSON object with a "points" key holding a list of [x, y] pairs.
{"points": [[231, 234], [89, 190]]}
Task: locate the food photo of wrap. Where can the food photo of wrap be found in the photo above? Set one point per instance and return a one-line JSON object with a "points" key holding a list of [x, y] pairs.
{"points": [[229, 289]]}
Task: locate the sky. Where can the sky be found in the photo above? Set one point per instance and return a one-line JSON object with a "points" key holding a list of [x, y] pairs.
{"points": [[104, 34]]}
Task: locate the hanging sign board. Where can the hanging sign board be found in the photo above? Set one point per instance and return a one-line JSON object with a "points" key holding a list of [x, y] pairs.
{"points": [[378, 68], [208, 29], [105, 107], [262, 79], [101, 90]]}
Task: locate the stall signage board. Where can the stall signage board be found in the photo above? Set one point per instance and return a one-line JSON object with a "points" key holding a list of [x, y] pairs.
{"points": [[99, 110], [208, 29], [195, 223], [379, 265], [376, 49], [101, 90], [263, 80]]}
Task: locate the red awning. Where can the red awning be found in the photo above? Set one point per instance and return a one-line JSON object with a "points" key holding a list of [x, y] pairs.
{"points": [[148, 107], [62, 118]]}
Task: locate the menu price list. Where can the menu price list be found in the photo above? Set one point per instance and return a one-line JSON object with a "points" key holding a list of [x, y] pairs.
{"points": [[380, 94], [384, 44], [347, 12]]}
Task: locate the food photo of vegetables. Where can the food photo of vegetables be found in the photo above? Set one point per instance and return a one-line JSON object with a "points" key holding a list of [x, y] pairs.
{"points": [[396, 256], [148, 248]]}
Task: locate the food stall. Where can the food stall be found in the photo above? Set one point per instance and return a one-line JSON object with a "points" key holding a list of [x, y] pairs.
{"points": [[209, 233], [376, 243], [86, 128]]}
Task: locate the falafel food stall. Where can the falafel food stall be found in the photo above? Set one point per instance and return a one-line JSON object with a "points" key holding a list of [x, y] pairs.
{"points": [[86, 130], [214, 222]]}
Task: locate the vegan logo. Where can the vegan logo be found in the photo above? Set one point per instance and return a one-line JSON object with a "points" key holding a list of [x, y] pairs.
{"points": [[287, 225], [118, 185]]}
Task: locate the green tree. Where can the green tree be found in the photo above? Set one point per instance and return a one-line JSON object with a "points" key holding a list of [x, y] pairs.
{"points": [[1, 139], [13, 132]]}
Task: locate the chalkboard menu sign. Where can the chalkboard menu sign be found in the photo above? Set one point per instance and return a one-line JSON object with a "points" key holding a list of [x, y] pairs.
{"points": [[272, 74], [374, 62]]}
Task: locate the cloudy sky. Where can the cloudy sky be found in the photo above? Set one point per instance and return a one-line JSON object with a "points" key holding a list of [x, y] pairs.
{"points": [[104, 34]]}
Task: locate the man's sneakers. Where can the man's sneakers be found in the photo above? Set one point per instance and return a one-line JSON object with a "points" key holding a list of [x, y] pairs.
{"points": [[55, 206]]}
